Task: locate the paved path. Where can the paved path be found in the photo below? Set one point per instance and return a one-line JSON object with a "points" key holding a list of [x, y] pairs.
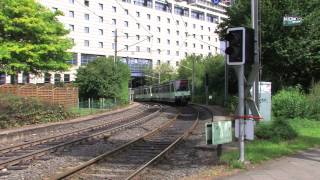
{"points": [[303, 166]]}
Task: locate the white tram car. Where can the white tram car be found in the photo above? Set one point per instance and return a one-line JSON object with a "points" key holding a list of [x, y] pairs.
{"points": [[174, 91]]}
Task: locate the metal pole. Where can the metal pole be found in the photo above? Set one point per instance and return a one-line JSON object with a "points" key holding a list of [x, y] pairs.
{"points": [[192, 79], [159, 78], [241, 110], [254, 19], [226, 80], [115, 45]]}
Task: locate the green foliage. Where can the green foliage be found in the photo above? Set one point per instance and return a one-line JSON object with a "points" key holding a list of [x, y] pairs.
{"points": [[101, 78], [290, 55], [31, 38], [261, 150], [278, 129], [290, 103], [213, 66], [19, 111], [166, 71], [313, 99]]}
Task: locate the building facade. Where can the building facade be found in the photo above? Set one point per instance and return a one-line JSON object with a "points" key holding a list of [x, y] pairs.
{"points": [[145, 33]]}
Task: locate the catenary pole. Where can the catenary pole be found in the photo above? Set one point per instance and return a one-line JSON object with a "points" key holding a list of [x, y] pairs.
{"points": [[241, 111]]}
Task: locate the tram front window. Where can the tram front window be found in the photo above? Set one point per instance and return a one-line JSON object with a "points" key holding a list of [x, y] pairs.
{"points": [[182, 85]]}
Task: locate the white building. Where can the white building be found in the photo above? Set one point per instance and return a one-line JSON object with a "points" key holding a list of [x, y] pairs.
{"points": [[149, 32]]}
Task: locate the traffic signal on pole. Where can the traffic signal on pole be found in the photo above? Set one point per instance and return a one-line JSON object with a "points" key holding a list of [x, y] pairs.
{"points": [[240, 45]]}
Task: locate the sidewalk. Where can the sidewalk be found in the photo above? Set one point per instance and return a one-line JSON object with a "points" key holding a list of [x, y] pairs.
{"points": [[302, 166]]}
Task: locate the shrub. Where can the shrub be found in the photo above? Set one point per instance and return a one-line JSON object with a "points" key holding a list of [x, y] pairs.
{"points": [[18, 111], [313, 100], [289, 103], [278, 129]]}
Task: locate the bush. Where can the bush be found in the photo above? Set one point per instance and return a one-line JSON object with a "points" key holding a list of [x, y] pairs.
{"points": [[313, 100], [278, 129], [289, 103], [19, 111]]}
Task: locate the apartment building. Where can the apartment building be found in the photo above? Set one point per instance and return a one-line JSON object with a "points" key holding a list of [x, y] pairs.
{"points": [[148, 33]]}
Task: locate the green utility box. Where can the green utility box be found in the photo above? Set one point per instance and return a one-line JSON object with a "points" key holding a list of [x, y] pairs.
{"points": [[218, 132]]}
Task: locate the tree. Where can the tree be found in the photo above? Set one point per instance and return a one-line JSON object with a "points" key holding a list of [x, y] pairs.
{"points": [[101, 78], [290, 55], [166, 72], [31, 38]]}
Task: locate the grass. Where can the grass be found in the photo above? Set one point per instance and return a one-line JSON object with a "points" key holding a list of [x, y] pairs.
{"points": [[86, 111], [258, 151]]}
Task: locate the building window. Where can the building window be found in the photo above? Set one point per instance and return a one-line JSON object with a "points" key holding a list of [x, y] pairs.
{"points": [[71, 14], [138, 37], [159, 29], [86, 43], [194, 35], [201, 27], [71, 27], [149, 27], [194, 45], [201, 37], [159, 40], [114, 9], [86, 3], [100, 44], [209, 38], [158, 62], [54, 9], [177, 22], [168, 52], [57, 78], [126, 24], [194, 26], [178, 33], [168, 41], [186, 44], [100, 32], [114, 21], [159, 51], [209, 48], [168, 62], [86, 17], [66, 78], [148, 50], [177, 43], [177, 53], [126, 47], [86, 58], [149, 38], [159, 18], [168, 30], [186, 33], [138, 14], [101, 6], [25, 78], [126, 35], [71, 1], [209, 29], [113, 46], [201, 46], [138, 48], [100, 19], [47, 78], [74, 59], [168, 20], [186, 24], [177, 63], [148, 16], [138, 25], [86, 29]]}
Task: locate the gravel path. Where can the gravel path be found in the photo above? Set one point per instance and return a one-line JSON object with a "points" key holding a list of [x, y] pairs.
{"points": [[71, 157]]}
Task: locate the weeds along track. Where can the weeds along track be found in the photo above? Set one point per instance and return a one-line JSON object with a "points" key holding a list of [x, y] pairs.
{"points": [[19, 156], [128, 160]]}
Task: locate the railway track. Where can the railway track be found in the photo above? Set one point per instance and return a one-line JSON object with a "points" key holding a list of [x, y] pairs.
{"points": [[128, 160], [19, 156]]}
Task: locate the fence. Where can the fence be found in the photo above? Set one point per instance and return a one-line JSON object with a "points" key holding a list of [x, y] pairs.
{"points": [[66, 96]]}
